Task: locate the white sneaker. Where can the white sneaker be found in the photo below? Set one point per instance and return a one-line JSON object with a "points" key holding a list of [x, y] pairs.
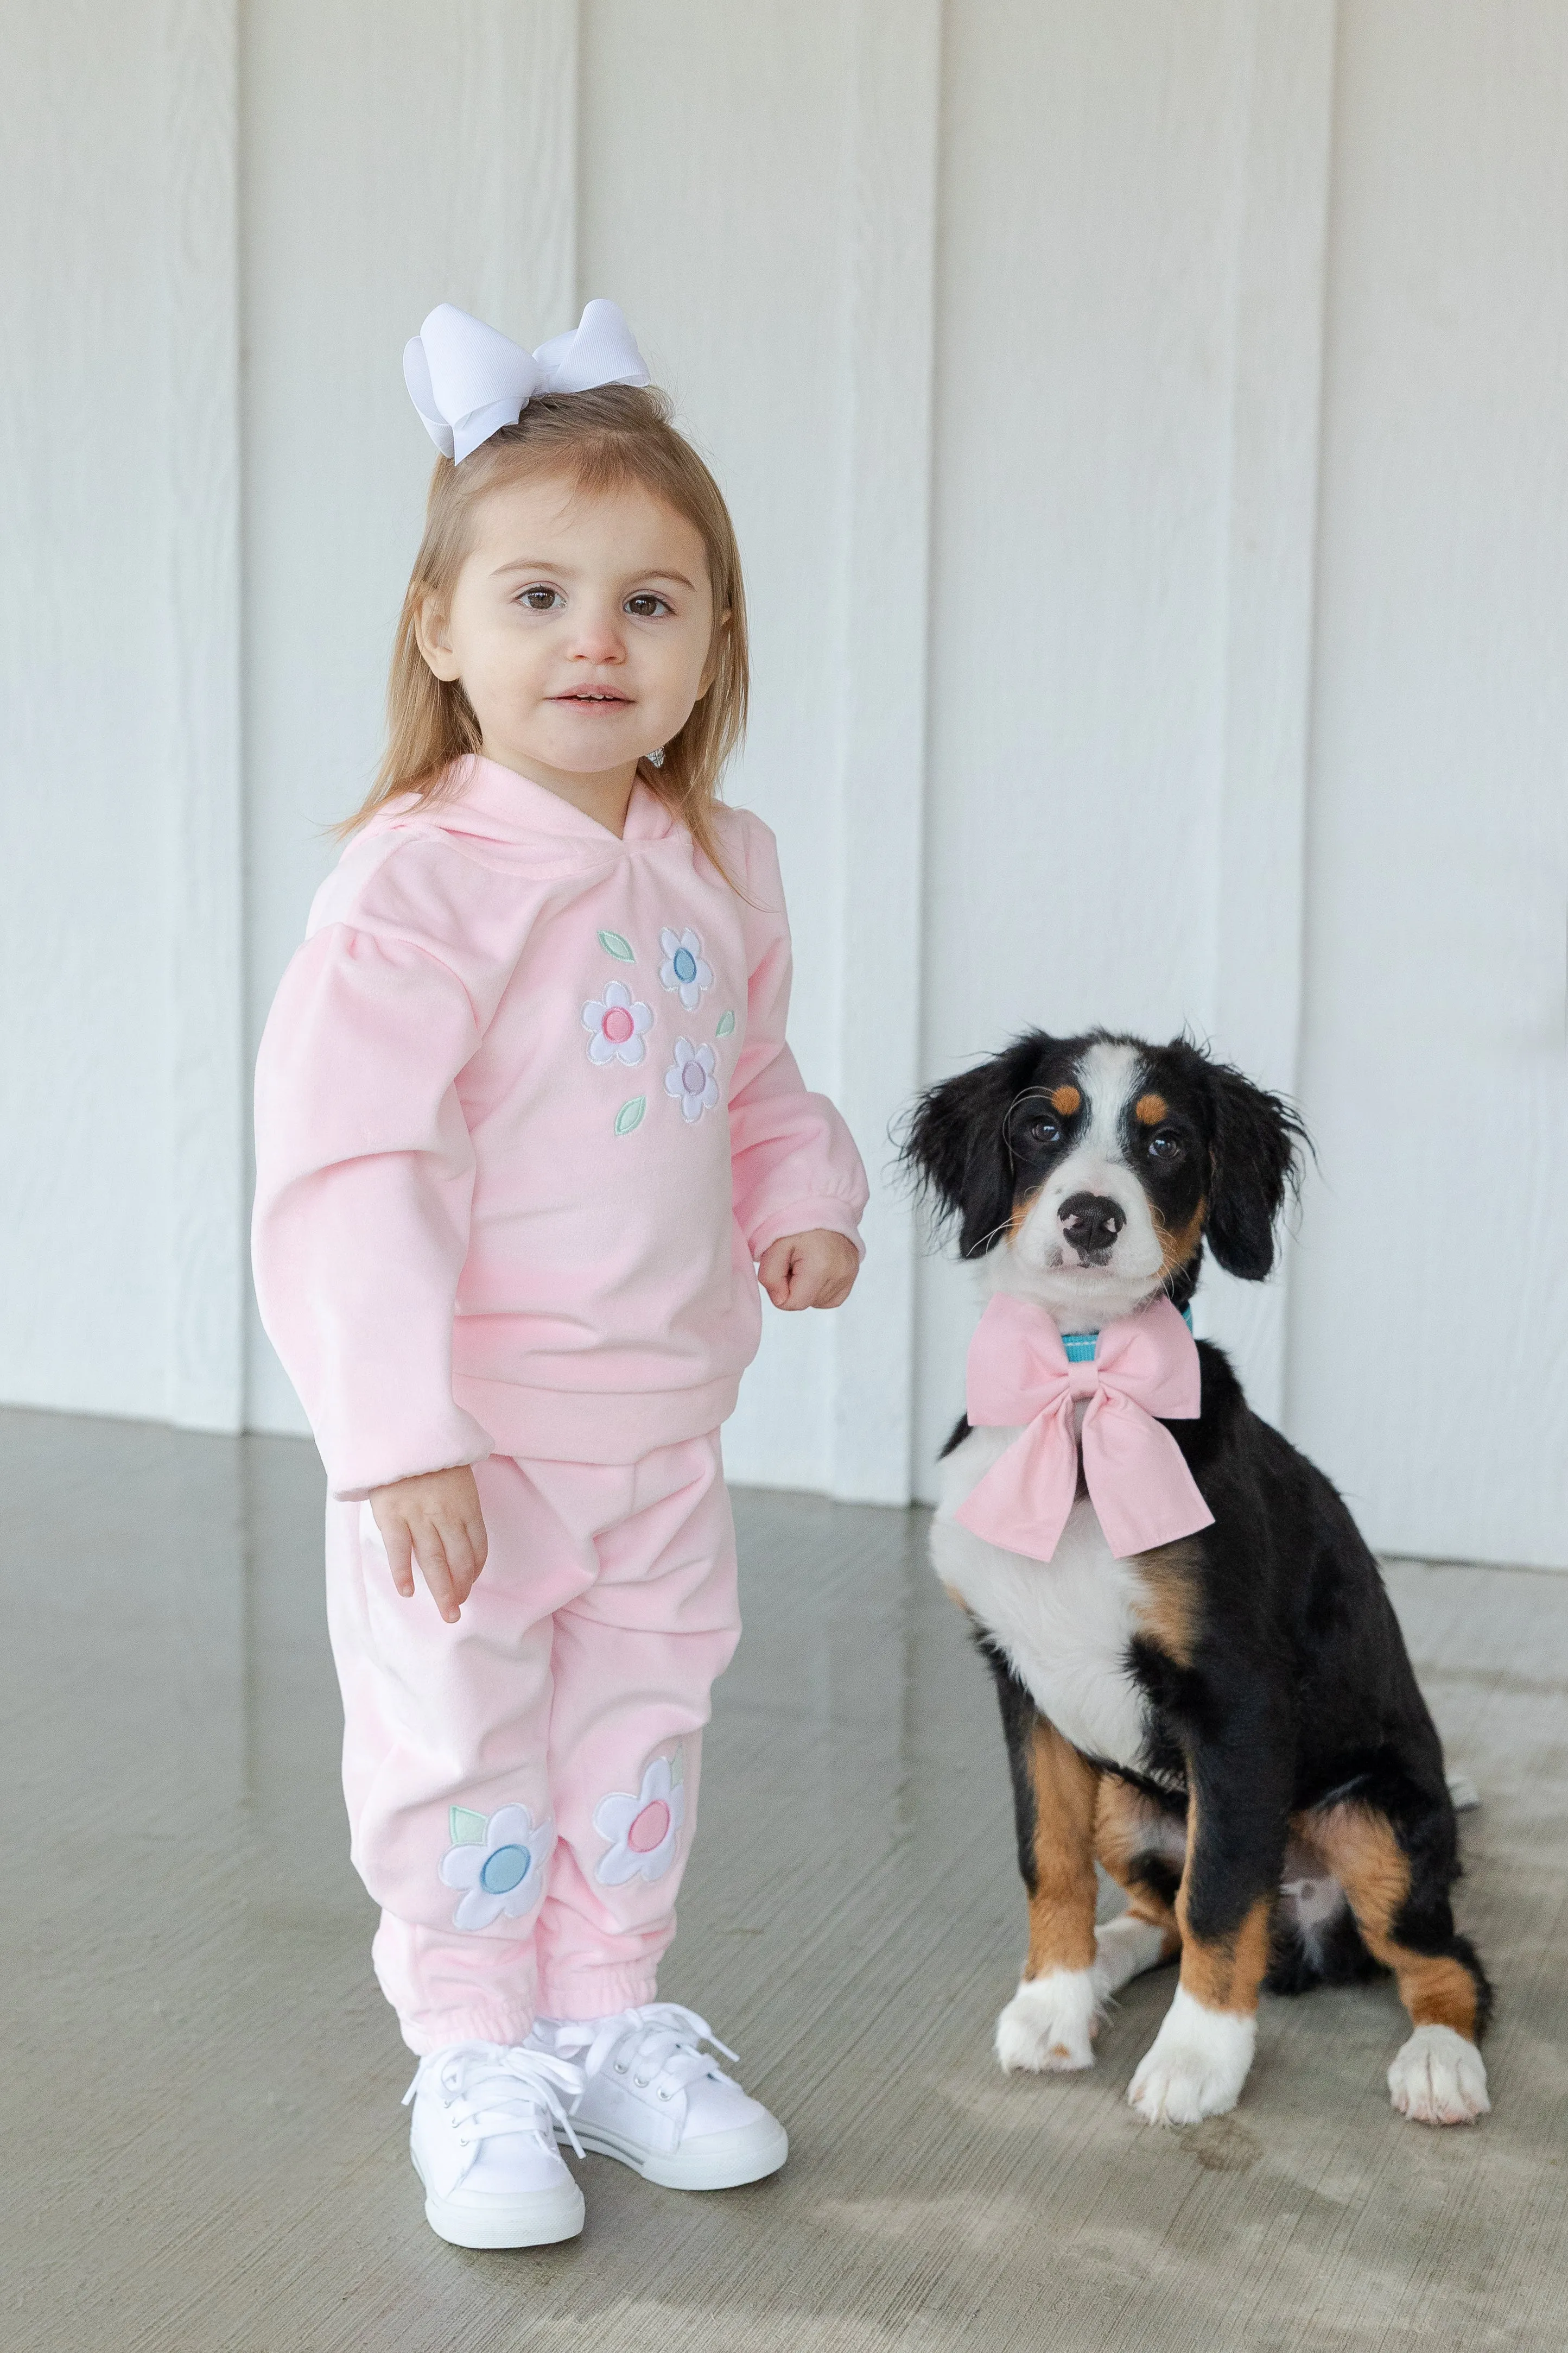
{"points": [[483, 2143], [654, 2100]]}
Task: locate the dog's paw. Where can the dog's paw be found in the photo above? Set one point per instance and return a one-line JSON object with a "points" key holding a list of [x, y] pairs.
{"points": [[1124, 1948], [1438, 2078], [1196, 2066], [1050, 2023]]}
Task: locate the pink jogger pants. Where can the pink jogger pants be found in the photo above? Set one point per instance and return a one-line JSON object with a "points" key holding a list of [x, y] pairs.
{"points": [[523, 1787]]}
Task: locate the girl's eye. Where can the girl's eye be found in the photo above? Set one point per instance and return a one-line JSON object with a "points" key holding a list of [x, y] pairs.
{"points": [[1166, 1148], [540, 599], [647, 607]]}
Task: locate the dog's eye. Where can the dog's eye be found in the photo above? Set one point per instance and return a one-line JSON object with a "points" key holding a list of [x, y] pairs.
{"points": [[1043, 1129], [1166, 1146]]}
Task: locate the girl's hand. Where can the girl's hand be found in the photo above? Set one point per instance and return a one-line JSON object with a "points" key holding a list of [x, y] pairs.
{"points": [[814, 1270], [434, 1519]]}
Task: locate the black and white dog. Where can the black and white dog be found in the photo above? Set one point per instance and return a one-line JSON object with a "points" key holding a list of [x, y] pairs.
{"points": [[1230, 1723]]}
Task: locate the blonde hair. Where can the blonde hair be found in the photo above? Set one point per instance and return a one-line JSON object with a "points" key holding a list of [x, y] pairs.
{"points": [[598, 441]]}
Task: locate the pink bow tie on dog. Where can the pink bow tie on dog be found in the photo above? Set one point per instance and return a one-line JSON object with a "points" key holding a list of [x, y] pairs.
{"points": [[1145, 1364]]}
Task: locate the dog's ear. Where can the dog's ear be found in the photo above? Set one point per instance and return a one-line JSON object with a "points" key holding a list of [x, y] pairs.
{"points": [[1254, 1149], [956, 1144]]}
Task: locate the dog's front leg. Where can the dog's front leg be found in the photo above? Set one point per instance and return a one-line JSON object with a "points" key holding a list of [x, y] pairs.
{"points": [[1051, 2020], [1236, 1821]]}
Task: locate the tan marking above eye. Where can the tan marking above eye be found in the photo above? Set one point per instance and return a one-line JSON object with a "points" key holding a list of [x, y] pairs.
{"points": [[1067, 1099], [1150, 1110]]}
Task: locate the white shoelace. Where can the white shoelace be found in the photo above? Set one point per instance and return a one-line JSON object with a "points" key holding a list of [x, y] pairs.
{"points": [[501, 2090], [655, 2045]]}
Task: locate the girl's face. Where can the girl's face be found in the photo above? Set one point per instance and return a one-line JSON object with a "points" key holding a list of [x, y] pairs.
{"points": [[581, 625]]}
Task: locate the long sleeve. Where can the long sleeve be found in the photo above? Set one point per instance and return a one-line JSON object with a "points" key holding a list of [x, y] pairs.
{"points": [[365, 1181], [795, 1165]]}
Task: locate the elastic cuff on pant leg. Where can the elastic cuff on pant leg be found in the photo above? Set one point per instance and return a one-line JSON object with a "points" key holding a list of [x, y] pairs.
{"points": [[597, 1993], [465, 2026]]}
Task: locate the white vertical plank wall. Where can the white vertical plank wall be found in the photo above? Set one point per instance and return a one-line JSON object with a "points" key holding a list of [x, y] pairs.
{"points": [[1429, 1324], [207, 1154], [892, 233], [116, 407], [1141, 425], [1277, 367]]}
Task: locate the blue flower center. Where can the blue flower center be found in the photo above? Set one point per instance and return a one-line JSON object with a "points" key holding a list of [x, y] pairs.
{"points": [[685, 964], [504, 1870], [693, 1078]]}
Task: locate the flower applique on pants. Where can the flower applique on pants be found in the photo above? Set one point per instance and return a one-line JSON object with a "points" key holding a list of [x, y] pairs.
{"points": [[522, 1785]]}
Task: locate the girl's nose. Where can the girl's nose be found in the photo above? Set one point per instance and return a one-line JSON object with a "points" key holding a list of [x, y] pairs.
{"points": [[597, 638]]}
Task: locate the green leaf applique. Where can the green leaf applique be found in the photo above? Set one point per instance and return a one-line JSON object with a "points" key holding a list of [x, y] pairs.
{"points": [[469, 1828], [726, 1023], [630, 1114], [618, 946]]}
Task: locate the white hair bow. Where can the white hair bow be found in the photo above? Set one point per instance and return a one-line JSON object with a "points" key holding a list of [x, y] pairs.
{"points": [[466, 381]]}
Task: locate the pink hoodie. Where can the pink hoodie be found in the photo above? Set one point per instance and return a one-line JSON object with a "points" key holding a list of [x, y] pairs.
{"points": [[525, 1119]]}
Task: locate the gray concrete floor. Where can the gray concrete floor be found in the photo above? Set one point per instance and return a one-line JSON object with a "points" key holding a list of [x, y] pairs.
{"points": [[202, 2142]]}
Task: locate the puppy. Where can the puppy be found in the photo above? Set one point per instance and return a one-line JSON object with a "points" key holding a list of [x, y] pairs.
{"points": [[1230, 1722]]}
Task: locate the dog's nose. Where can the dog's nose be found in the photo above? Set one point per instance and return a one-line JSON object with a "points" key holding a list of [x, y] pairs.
{"points": [[1090, 1222]]}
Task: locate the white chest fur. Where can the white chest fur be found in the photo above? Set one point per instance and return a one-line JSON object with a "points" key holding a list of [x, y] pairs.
{"points": [[1065, 1624]]}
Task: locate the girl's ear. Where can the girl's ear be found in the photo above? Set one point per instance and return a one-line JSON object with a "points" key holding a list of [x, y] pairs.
{"points": [[956, 1145], [430, 632], [1254, 1160]]}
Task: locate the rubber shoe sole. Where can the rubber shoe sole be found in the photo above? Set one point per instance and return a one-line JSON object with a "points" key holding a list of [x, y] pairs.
{"points": [[717, 2161], [538, 2218]]}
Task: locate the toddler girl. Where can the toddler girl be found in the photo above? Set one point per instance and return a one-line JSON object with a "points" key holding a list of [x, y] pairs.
{"points": [[526, 1123]]}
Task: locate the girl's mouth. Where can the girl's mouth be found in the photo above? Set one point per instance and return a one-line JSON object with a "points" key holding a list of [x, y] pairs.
{"points": [[596, 699]]}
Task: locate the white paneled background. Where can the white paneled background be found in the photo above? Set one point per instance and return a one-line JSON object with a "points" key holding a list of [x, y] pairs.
{"points": [[1146, 430]]}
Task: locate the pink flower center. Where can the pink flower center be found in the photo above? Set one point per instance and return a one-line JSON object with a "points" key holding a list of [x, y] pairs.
{"points": [[618, 1025], [693, 1077], [650, 1827]]}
